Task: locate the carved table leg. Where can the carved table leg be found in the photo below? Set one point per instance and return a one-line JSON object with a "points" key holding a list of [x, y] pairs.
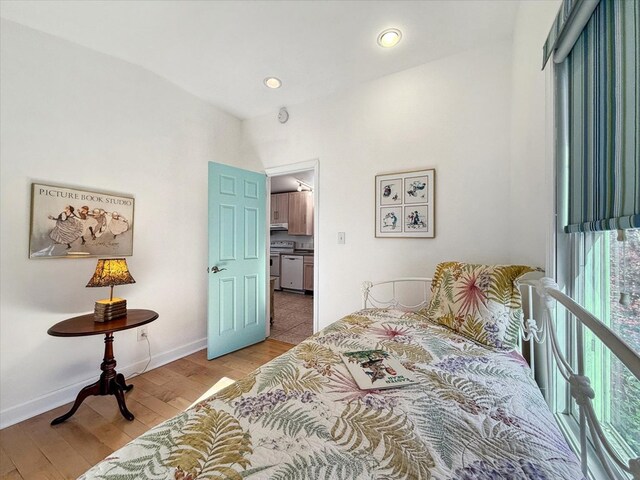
{"points": [[123, 406], [84, 393], [122, 383], [110, 383]]}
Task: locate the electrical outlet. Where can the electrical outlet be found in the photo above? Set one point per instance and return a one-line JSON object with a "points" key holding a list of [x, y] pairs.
{"points": [[142, 333]]}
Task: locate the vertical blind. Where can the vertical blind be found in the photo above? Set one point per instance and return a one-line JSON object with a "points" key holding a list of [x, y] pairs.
{"points": [[604, 120]]}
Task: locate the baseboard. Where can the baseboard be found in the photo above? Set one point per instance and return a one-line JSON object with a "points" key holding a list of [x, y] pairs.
{"points": [[51, 400]]}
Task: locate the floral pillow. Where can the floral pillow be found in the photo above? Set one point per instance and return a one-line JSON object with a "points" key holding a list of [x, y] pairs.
{"points": [[481, 302]]}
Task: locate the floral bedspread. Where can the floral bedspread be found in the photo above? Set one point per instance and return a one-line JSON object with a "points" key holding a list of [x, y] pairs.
{"points": [[474, 414]]}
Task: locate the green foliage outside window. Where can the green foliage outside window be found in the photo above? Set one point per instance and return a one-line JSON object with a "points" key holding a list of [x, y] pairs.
{"points": [[604, 277]]}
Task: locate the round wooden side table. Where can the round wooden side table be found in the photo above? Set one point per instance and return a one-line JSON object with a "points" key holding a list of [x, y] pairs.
{"points": [[110, 382]]}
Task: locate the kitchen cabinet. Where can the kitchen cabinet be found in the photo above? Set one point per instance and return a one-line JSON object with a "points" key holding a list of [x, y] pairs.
{"points": [[279, 208], [274, 269], [291, 272], [301, 213], [272, 287], [307, 266]]}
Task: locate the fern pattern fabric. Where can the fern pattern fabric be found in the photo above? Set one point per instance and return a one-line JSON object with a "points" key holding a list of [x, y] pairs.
{"points": [[481, 302], [475, 413]]}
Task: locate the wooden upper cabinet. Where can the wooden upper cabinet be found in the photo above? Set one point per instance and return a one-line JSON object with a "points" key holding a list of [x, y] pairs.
{"points": [[301, 213], [280, 208]]}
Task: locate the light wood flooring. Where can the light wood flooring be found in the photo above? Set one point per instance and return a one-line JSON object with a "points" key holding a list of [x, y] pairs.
{"points": [[33, 449]]}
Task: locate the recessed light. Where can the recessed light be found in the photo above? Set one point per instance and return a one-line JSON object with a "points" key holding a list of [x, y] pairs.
{"points": [[272, 82], [389, 37]]}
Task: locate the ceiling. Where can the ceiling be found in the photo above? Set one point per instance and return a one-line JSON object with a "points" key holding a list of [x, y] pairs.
{"points": [[222, 50], [288, 183]]}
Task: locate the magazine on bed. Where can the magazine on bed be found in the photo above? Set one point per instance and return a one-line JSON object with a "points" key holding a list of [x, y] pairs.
{"points": [[376, 369]]}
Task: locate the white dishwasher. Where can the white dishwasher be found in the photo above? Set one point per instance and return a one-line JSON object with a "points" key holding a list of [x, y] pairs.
{"points": [[291, 272]]}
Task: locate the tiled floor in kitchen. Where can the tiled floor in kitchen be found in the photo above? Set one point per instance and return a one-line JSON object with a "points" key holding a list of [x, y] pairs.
{"points": [[293, 314]]}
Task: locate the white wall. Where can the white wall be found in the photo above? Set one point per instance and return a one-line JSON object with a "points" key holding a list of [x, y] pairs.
{"points": [[72, 116], [452, 114], [531, 190]]}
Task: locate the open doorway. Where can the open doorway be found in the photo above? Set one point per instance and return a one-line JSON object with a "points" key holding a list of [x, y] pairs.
{"points": [[293, 251]]}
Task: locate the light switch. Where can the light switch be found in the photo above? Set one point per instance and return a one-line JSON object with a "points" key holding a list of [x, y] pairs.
{"points": [[340, 238]]}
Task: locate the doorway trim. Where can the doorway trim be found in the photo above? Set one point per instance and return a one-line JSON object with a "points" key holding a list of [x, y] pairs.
{"points": [[289, 169]]}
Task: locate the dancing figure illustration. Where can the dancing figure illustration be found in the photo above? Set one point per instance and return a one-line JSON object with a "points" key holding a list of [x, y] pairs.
{"points": [[68, 227]]}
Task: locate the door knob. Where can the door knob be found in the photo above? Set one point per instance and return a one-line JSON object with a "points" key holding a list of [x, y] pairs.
{"points": [[215, 269]]}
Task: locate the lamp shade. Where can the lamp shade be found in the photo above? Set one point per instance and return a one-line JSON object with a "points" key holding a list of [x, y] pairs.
{"points": [[110, 272]]}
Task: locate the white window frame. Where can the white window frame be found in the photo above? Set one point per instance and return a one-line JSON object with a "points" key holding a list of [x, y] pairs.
{"points": [[564, 263]]}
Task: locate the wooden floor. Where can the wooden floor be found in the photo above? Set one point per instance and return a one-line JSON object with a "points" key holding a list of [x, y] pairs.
{"points": [[33, 449]]}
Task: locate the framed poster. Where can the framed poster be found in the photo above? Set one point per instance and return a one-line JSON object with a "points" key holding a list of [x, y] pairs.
{"points": [[71, 223], [405, 204]]}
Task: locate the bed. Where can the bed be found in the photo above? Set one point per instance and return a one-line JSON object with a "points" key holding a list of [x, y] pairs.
{"points": [[475, 412]]}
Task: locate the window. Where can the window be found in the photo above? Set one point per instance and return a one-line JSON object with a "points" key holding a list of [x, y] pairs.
{"points": [[597, 193], [599, 277]]}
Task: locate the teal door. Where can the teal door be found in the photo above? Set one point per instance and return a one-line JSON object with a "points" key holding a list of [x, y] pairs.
{"points": [[237, 259]]}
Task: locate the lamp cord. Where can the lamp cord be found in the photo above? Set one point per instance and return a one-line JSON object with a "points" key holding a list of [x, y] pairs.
{"points": [[146, 337]]}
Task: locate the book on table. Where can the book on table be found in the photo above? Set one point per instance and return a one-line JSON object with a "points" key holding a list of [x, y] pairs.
{"points": [[376, 369]]}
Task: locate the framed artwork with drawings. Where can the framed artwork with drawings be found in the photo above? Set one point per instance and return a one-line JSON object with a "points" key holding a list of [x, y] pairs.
{"points": [[405, 204], [72, 223]]}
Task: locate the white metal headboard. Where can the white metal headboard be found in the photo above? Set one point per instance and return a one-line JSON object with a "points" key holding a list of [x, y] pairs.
{"points": [[369, 301], [579, 384], [532, 330]]}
